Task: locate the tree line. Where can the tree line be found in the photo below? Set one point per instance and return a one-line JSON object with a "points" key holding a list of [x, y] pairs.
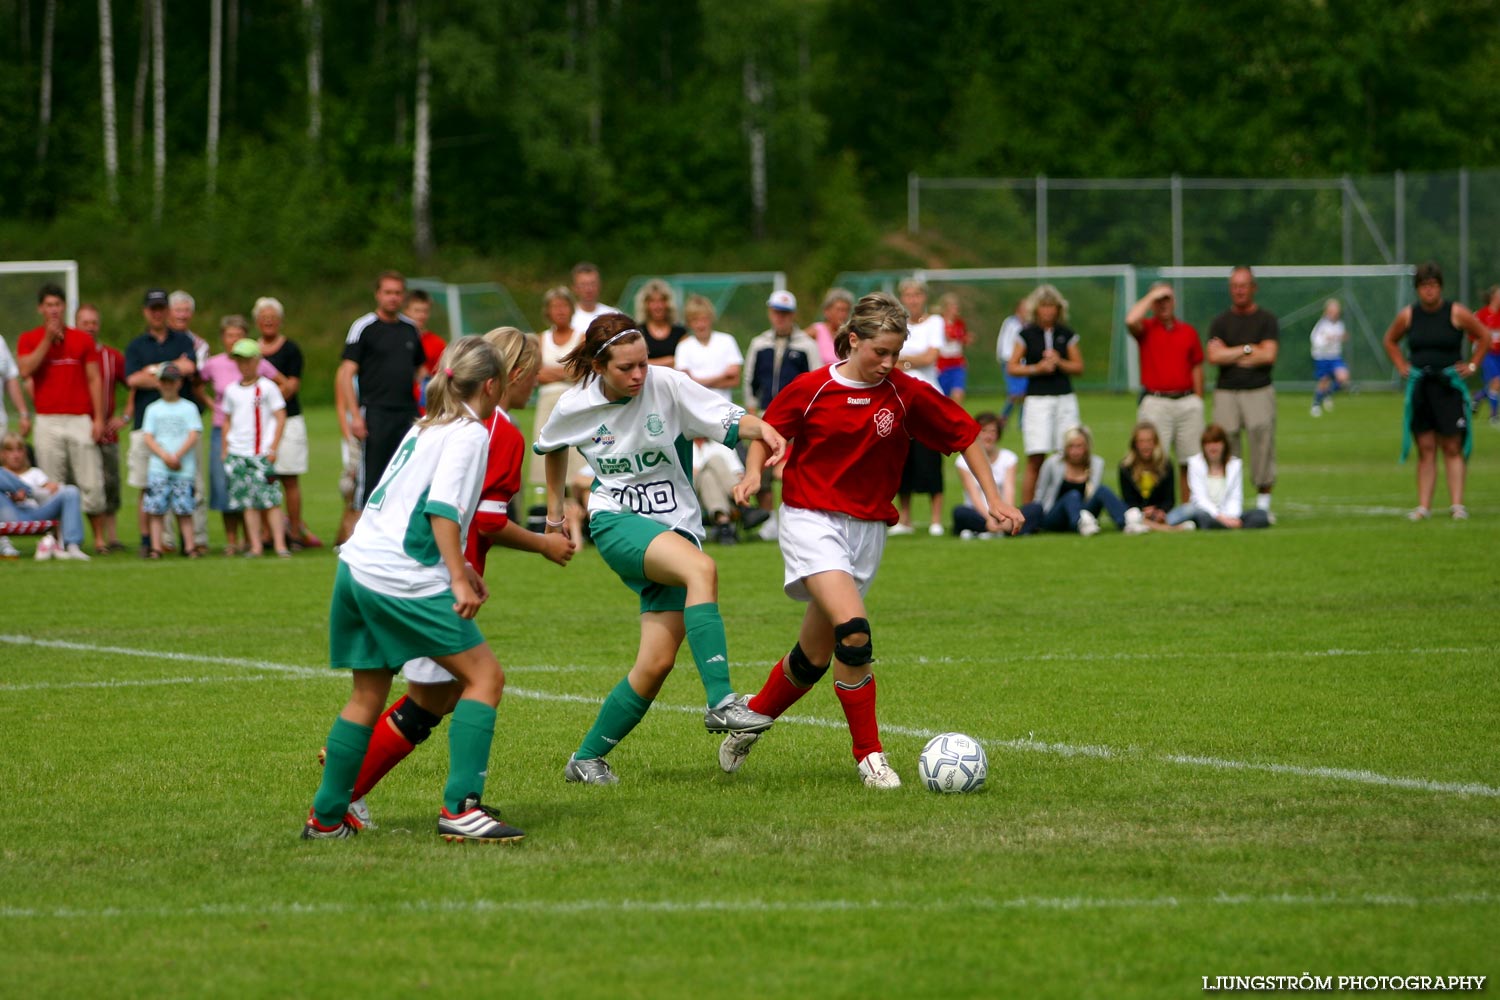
{"points": [[492, 125]]}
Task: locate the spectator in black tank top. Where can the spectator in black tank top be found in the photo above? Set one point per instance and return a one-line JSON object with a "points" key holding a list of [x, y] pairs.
{"points": [[1437, 400], [1046, 354]]}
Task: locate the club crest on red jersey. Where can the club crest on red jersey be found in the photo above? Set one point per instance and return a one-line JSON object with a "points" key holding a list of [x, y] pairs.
{"points": [[885, 422]]}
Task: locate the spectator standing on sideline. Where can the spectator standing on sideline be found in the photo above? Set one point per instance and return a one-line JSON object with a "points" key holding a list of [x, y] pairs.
{"points": [[144, 357], [1171, 374], [837, 305], [710, 358], [254, 423], [775, 357], [953, 367], [1437, 398], [919, 359], [111, 374], [219, 373], [384, 351], [1047, 354], [1005, 346], [1489, 387], [969, 518], [1328, 336], [586, 304], [292, 457], [26, 494], [1243, 341], [557, 342], [419, 311], [656, 317], [68, 394], [10, 381], [180, 309], [172, 428]]}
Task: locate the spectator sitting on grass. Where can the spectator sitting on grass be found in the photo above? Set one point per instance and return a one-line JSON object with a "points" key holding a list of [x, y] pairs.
{"points": [[1070, 491], [1146, 475], [26, 494], [968, 519], [1216, 480], [172, 428]]}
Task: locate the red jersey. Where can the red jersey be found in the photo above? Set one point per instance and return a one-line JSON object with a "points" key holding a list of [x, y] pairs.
{"points": [[502, 480], [956, 336], [850, 439], [1168, 355], [61, 382], [432, 353], [111, 373], [1491, 320]]}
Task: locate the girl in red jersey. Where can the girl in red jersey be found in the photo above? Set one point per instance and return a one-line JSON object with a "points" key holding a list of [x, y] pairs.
{"points": [[432, 692], [852, 423]]}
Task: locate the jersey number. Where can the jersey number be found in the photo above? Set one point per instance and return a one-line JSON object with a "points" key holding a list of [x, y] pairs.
{"points": [[647, 498], [398, 461]]}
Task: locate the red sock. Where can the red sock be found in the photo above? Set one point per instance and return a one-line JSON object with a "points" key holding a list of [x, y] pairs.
{"points": [[778, 694], [859, 709], [387, 749]]}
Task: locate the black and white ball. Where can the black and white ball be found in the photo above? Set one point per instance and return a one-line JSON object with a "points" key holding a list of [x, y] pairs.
{"points": [[953, 762]]}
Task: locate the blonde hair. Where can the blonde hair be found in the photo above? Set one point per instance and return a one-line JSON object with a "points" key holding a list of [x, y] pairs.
{"points": [[1156, 461], [520, 353], [1078, 433], [911, 285], [13, 440], [873, 315], [465, 366], [699, 305], [654, 287], [1044, 295]]}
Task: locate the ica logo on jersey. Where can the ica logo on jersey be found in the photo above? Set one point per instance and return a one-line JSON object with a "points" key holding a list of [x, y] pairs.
{"points": [[624, 465]]}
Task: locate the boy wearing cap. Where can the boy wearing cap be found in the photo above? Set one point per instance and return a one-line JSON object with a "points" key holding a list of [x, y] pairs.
{"points": [[254, 420], [144, 357], [170, 429]]}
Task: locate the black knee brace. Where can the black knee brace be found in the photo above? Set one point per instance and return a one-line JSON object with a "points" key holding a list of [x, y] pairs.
{"points": [[413, 721], [854, 656], [801, 669]]}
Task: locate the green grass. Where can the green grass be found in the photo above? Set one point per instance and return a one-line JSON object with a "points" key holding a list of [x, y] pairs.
{"points": [[148, 844]]}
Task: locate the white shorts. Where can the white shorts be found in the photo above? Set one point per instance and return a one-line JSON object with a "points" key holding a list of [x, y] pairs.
{"points": [[138, 461], [425, 670], [1044, 419], [291, 457], [816, 541]]}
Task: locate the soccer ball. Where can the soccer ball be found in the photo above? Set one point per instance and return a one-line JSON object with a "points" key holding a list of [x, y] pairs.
{"points": [[953, 762]]}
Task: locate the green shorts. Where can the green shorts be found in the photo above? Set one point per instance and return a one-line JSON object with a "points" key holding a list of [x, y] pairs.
{"points": [[622, 539], [370, 631]]}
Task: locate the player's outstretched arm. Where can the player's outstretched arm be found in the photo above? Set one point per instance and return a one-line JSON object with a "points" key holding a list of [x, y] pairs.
{"points": [[755, 462], [556, 548], [755, 429], [1002, 518]]}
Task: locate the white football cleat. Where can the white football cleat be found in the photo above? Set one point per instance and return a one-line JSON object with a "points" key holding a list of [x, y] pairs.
{"points": [[875, 772]]}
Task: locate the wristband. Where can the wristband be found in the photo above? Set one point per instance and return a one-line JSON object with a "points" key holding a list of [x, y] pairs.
{"points": [[555, 524], [1472, 367]]}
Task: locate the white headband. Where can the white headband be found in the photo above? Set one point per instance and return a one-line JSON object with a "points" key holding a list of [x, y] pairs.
{"points": [[605, 346]]}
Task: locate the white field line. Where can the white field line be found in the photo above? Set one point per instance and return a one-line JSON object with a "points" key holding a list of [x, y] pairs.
{"points": [[545, 907], [1027, 744]]}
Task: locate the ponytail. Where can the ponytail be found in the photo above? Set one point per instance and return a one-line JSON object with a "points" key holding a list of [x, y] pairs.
{"points": [[465, 366], [871, 316]]}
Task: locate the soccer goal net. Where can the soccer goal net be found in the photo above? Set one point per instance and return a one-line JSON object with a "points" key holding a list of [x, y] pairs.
{"points": [[1369, 296], [475, 308], [738, 297], [21, 279], [1097, 298]]}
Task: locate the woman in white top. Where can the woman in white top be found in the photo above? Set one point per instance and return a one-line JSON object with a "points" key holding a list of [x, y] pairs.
{"points": [[557, 342], [1216, 484], [710, 358], [968, 518], [926, 334], [1327, 337]]}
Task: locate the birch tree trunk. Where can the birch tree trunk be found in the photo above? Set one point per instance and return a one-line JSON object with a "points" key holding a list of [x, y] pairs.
{"points": [[138, 105], [314, 16], [215, 89], [44, 102], [107, 101], [421, 180], [756, 132], [159, 110]]}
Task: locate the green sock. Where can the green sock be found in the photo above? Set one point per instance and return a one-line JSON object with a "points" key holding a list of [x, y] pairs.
{"points": [[617, 717], [347, 743], [469, 737], [705, 636]]}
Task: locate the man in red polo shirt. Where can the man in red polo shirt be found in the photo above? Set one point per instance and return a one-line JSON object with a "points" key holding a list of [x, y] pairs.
{"points": [[63, 365], [1171, 375]]}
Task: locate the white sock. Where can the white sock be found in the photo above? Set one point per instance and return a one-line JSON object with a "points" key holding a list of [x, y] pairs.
{"points": [[1263, 501]]}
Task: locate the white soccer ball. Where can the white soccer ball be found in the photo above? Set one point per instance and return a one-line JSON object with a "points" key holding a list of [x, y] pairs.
{"points": [[953, 762]]}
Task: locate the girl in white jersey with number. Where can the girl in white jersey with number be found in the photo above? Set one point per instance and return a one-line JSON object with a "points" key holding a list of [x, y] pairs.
{"points": [[403, 590], [635, 424], [851, 425]]}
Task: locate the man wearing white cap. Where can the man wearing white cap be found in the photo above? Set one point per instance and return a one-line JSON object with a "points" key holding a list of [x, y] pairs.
{"points": [[775, 357]]}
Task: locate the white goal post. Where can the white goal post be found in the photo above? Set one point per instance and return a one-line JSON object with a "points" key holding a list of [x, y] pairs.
{"points": [[68, 269]]}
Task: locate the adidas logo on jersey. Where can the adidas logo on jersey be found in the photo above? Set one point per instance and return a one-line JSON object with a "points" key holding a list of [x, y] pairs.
{"points": [[603, 436]]}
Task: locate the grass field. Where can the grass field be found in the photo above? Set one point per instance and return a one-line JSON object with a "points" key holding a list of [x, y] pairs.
{"points": [[1261, 753]]}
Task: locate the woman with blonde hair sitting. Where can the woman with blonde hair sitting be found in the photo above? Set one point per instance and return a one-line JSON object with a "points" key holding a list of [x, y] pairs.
{"points": [[1070, 492], [1146, 475]]}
